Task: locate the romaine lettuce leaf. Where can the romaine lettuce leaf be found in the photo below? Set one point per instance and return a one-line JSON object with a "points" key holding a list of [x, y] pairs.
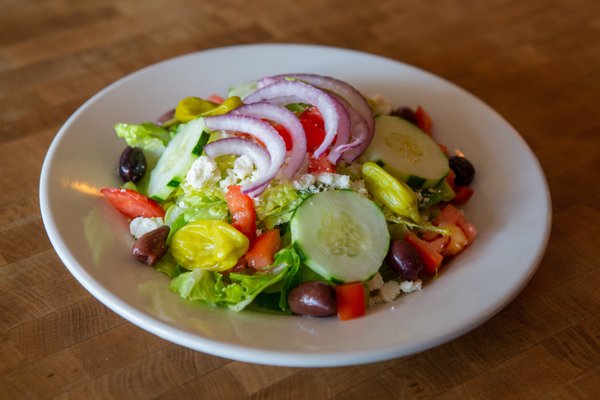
{"points": [[277, 204], [236, 291]]}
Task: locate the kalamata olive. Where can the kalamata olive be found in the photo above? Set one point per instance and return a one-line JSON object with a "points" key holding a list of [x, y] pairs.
{"points": [[464, 170], [132, 164], [406, 113], [313, 298], [404, 259], [152, 246]]}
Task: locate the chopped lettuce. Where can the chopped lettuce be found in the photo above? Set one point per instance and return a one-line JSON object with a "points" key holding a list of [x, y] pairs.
{"points": [[151, 138], [235, 291], [277, 204]]}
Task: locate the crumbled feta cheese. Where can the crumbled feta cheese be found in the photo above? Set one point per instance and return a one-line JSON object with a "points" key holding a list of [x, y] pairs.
{"points": [[411, 286], [304, 182], [381, 104], [335, 181], [376, 282], [242, 167], [229, 180], [142, 225], [202, 172], [389, 291]]}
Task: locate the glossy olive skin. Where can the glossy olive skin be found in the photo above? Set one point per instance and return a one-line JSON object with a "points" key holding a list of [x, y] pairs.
{"points": [[464, 170], [132, 164], [313, 298], [404, 259], [152, 246], [406, 113]]}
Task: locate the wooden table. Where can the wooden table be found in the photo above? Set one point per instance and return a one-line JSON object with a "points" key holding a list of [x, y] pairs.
{"points": [[536, 62]]}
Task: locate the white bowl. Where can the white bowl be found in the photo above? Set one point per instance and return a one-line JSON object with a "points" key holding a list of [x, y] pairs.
{"points": [[510, 207]]}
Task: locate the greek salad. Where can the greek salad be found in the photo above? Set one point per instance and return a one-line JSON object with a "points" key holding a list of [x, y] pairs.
{"points": [[294, 194]]}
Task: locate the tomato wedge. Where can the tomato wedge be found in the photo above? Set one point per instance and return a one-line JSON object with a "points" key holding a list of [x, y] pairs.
{"points": [[463, 194], [131, 203], [242, 212], [430, 252], [261, 252], [314, 128], [321, 164], [351, 300], [424, 120]]}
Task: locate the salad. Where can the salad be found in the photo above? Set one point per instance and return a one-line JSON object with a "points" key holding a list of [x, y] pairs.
{"points": [[294, 194]]}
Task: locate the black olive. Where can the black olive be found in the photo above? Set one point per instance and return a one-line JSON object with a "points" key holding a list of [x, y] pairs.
{"points": [[151, 247], [406, 113], [404, 259], [464, 170], [313, 298], [132, 164]]}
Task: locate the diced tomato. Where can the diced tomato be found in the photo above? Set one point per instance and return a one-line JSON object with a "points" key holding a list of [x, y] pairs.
{"points": [[351, 300], [451, 215], [242, 212], [430, 252], [131, 203], [450, 178], [262, 250], [285, 135], [458, 241], [215, 98], [320, 164], [424, 120], [314, 128], [463, 194]]}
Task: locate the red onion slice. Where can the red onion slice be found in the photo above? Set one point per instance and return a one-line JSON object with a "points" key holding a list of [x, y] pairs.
{"points": [[261, 130], [290, 122], [259, 156], [308, 94], [340, 88]]}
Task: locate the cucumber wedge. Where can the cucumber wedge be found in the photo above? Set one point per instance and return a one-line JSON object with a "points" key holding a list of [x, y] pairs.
{"points": [[406, 152], [341, 235], [174, 163]]}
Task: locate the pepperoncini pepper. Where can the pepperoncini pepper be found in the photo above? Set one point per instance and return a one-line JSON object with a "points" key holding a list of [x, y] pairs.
{"points": [[394, 194], [193, 107], [212, 245]]}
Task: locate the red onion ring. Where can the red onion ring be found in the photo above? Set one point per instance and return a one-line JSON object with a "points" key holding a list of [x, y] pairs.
{"points": [[306, 93], [261, 130], [290, 122]]}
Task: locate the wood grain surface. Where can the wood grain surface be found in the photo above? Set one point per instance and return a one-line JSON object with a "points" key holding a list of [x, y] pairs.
{"points": [[536, 62]]}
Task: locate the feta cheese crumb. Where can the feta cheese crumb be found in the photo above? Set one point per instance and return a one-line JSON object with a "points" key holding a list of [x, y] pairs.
{"points": [[202, 172], [335, 181], [389, 291], [242, 167], [141, 225], [304, 182], [381, 104], [376, 282], [411, 286]]}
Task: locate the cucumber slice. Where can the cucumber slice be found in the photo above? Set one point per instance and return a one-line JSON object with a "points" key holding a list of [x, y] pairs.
{"points": [[341, 235], [174, 163], [406, 152]]}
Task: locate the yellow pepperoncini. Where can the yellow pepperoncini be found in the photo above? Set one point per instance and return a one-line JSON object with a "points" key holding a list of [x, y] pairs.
{"points": [[394, 194], [193, 107], [208, 244]]}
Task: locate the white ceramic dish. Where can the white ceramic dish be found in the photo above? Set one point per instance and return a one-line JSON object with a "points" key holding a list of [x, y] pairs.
{"points": [[511, 208]]}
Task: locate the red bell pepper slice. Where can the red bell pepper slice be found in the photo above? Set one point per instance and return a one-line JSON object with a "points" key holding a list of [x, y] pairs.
{"points": [[261, 252], [131, 203], [242, 212], [351, 300]]}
